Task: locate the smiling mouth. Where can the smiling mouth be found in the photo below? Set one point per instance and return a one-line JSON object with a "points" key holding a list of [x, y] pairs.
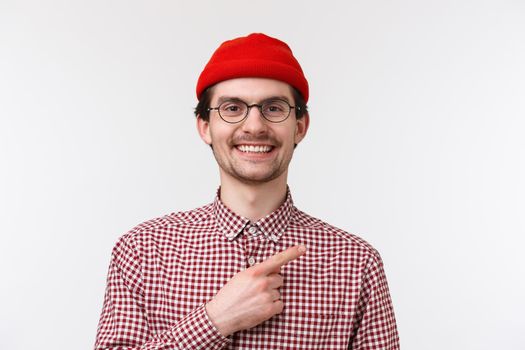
{"points": [[254, 148]]}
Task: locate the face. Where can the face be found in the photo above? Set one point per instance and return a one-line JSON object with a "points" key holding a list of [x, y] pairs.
{"points": [[255, 150]]}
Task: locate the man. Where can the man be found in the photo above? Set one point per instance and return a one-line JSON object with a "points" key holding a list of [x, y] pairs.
{"points": [[250, 270]]}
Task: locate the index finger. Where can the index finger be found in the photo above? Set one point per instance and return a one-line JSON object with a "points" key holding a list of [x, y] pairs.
{"points": [[275, 262]]}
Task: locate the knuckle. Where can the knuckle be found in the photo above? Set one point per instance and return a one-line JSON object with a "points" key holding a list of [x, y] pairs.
{"points": [[272, 309], [251, 272], [267, 298], [278, 307], [277, 281], [280, 259], [280, 280], [263, 285]]}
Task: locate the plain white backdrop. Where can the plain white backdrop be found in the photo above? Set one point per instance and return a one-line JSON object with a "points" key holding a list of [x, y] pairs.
{"points": [[416, 144]]}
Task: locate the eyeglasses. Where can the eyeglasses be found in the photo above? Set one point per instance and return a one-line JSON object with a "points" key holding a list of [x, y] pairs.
{"points": [[235, 110]]}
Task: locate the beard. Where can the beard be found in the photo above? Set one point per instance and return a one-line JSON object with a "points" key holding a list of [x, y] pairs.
{"points": [[244, 175], [251, 172]]}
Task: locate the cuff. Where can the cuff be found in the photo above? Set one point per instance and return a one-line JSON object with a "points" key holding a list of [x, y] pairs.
{"points": [[196, 331]]}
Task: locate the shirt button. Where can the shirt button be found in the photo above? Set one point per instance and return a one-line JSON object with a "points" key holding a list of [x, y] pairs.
{"points": [[252, 230], [273, 238], [251, 261]]}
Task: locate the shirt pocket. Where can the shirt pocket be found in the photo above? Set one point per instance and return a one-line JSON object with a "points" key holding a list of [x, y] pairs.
{"points": [[311, 330]]}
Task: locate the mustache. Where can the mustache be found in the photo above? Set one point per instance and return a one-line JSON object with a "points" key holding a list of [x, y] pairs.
{"points": [[254, 139]]}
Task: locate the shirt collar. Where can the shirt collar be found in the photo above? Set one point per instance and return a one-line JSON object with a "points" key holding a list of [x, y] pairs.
{"points": [[272, 226]]}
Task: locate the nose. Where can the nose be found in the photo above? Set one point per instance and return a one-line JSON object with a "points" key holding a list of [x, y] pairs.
{"points": [[254, 122]]}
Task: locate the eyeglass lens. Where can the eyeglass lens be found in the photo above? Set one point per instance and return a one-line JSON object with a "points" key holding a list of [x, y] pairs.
{"points": [[273, 110]]}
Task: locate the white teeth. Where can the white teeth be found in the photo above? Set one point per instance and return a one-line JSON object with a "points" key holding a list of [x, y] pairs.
{"points": [[254, 149]]}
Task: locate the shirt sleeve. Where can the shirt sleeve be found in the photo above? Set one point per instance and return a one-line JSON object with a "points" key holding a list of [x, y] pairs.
{"points": [[375, 326], [123, 323]]}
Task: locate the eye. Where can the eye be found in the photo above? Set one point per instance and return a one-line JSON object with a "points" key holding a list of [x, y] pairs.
{"points": [[276, 106], [232, 107]]}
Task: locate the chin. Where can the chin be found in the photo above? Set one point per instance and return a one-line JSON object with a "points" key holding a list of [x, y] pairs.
{"points": [[256, 178]]}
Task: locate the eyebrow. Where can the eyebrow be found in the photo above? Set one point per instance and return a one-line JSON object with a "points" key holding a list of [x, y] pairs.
{"points": [[234, 98]]}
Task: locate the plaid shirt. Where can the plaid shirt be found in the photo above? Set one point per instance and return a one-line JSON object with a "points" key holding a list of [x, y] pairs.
{"points": [[164, 271]]}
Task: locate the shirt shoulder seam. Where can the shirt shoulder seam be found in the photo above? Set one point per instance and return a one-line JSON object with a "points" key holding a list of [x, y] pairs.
{"points": [[301, 218], [169, 220]]}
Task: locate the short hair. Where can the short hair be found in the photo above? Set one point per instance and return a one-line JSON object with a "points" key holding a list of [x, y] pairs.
{"points": [[201, 110]]}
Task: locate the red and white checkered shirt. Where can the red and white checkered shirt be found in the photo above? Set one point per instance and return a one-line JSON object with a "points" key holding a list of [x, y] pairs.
{"points": [[164, 271]]}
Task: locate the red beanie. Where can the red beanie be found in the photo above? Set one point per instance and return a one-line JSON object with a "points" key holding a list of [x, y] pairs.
{"points": [[255, 55]]}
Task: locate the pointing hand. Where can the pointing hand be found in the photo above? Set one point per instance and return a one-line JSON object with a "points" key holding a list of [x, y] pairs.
{"points": [[251, 296]]}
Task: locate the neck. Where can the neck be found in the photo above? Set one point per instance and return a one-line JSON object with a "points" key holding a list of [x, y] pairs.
{"points": [[253, 201]]}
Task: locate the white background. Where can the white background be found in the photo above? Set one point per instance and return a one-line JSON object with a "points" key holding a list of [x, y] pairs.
{"points": [[416, 144]]}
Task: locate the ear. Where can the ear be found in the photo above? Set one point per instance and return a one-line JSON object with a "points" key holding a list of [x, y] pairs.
{"points": [[301, 128], [203, 127]]}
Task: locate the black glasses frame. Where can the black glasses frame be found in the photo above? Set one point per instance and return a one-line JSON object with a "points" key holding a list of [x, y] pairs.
{"points": [[259, 107]]}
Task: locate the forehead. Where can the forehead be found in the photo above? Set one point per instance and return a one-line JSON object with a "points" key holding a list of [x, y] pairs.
{"points": [[251, 89]]}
